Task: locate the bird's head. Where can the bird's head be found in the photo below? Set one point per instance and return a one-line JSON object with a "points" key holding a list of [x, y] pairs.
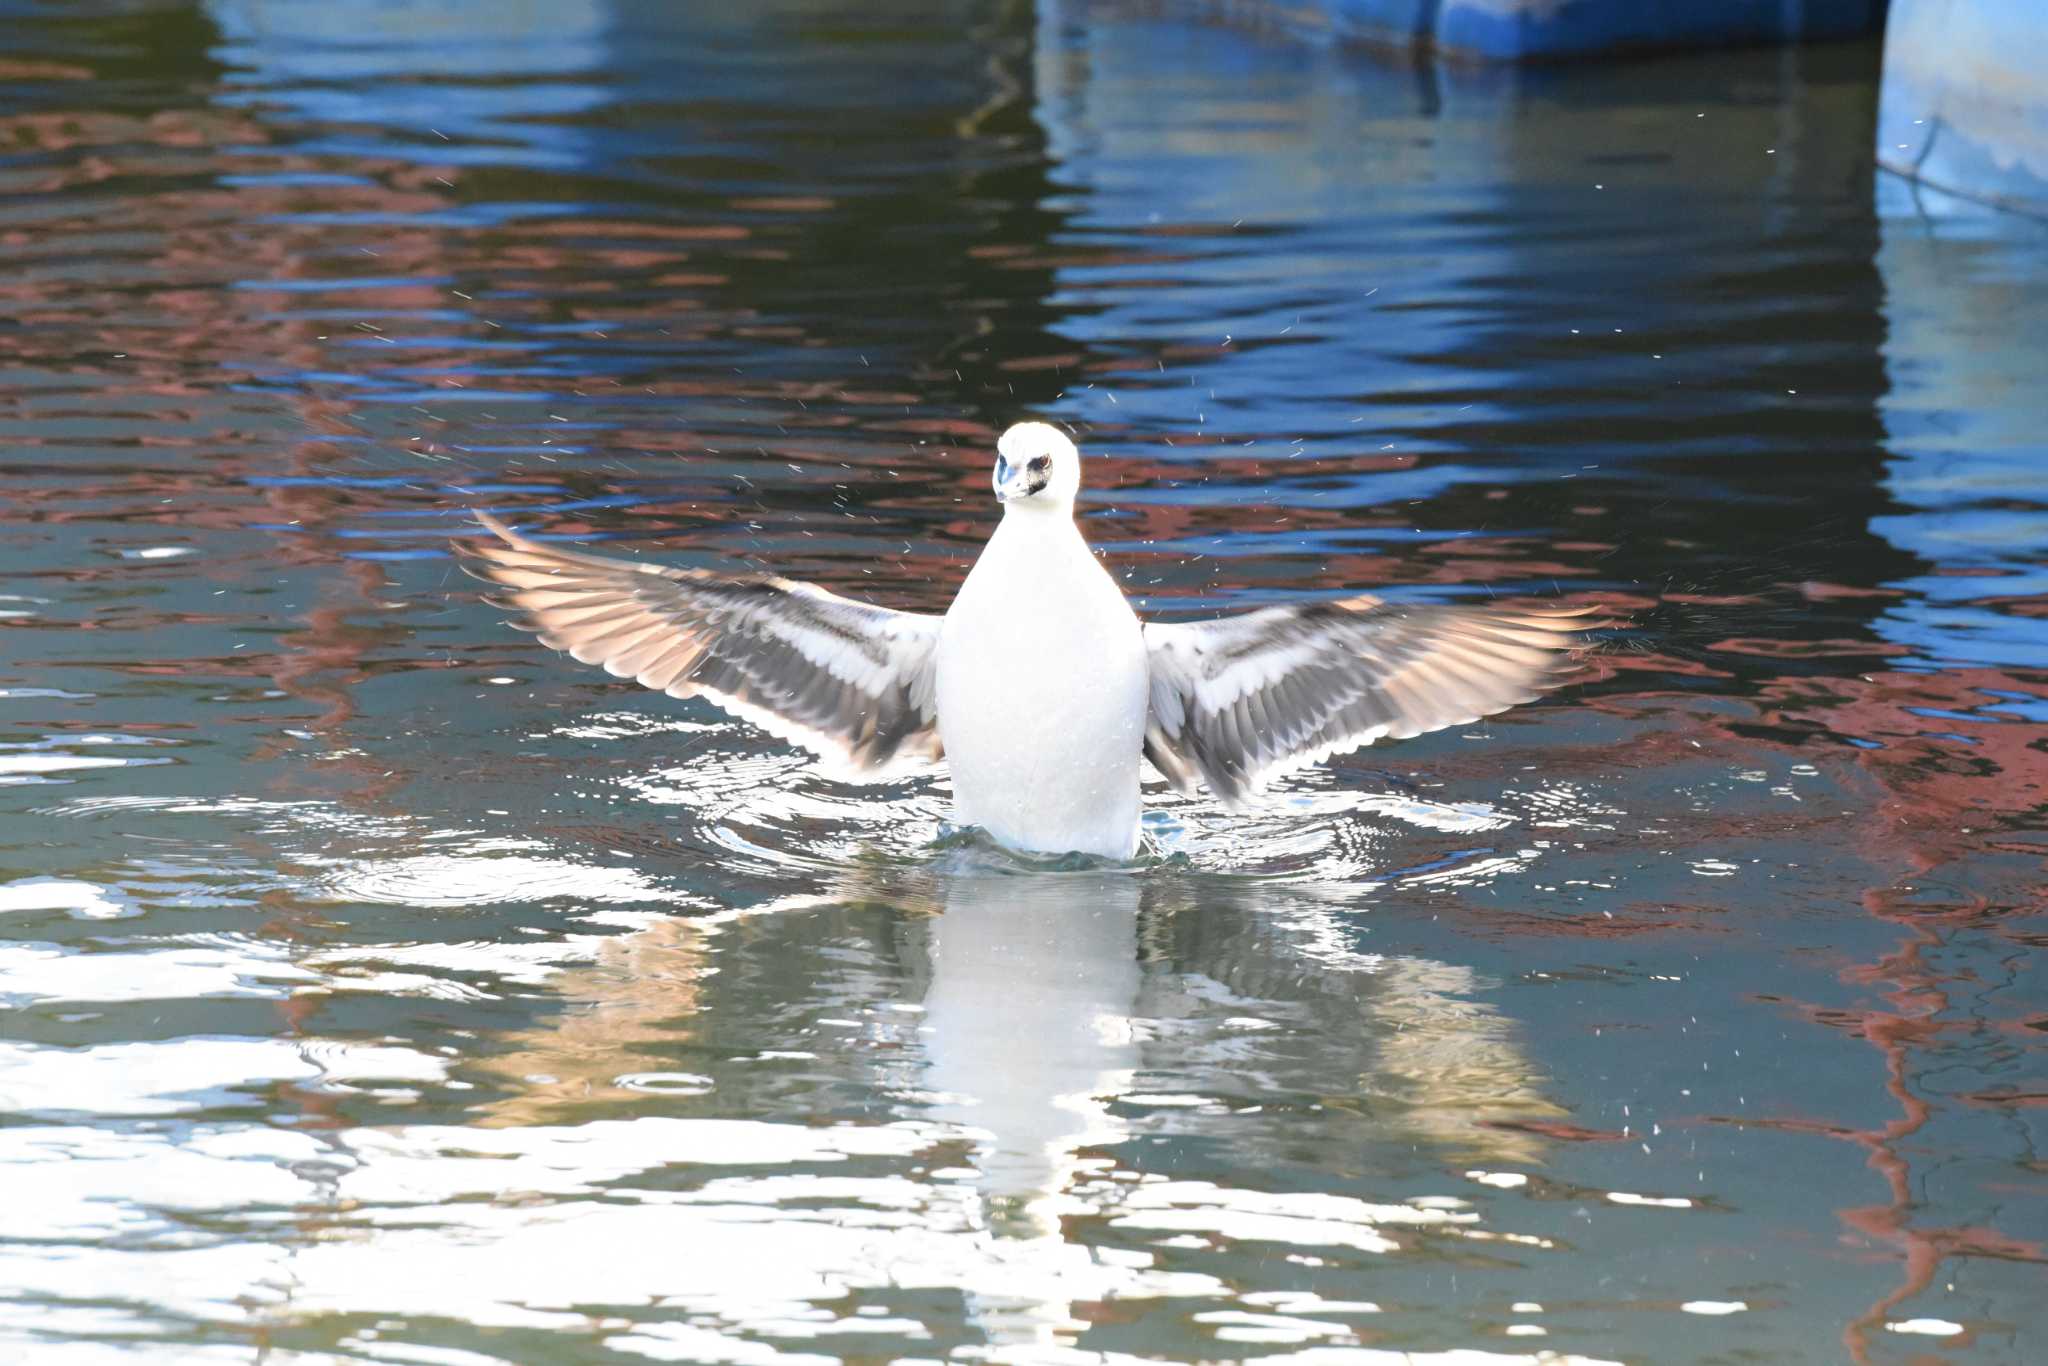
{"points": [[1037, 468]]}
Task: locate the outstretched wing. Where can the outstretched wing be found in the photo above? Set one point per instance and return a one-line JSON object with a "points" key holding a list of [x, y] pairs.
{"points": [[850, 682], [1237, 700]]}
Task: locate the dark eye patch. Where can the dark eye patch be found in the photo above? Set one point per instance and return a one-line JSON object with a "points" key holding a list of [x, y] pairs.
{"points": [[1043, 462]]}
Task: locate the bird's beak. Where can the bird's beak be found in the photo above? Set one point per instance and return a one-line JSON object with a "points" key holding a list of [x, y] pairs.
{"points": [[1009, 480]]}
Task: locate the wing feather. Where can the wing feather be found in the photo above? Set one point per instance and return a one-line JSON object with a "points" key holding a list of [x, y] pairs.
{"points": [[851, 682], [1239, 700]]}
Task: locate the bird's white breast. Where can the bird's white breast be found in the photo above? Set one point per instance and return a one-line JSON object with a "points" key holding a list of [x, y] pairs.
{"points": [[1042, 694]]}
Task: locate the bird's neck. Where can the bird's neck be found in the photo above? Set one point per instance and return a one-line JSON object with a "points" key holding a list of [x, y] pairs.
{"points": [[1035, 530]]}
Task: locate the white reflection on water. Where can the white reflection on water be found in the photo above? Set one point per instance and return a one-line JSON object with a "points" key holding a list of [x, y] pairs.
{"points": [[44, 972], [1027, 1031], [85, 900], [29, 768], [187, 1075], [160, 1078]]}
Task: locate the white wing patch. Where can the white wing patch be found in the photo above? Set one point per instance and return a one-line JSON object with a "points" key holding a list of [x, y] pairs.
{"points": [[1239, 700], [850, 682]]}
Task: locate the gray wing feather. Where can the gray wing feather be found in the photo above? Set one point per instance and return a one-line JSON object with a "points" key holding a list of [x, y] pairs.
{"points": [[851, 682], [1238, 700]]}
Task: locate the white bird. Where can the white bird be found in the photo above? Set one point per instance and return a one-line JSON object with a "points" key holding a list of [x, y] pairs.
{"points": [[1039, 688]]}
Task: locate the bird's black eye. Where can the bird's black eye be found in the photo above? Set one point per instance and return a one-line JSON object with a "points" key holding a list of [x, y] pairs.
{"points": [[1042, 463]]}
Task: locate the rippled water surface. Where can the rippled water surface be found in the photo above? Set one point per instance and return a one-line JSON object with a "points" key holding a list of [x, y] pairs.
{"points": [[379, 987]]}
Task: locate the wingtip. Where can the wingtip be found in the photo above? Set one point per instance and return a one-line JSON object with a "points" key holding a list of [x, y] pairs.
{"points": [[479, 559], [497, 528], [1581, 626], [470, 552], [1594, 616]]}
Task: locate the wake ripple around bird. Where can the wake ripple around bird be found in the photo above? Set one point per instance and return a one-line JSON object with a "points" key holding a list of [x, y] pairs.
{"points": [[722, 823], [774, 812]]}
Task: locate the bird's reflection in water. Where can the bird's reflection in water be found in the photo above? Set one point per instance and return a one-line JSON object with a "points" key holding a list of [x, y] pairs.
{"points": [[626, 1011], [1048, 1016], [1258, 996], [1033, 988]]}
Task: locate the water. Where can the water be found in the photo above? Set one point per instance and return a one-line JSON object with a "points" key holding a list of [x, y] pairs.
{"points": [[381, 988]]}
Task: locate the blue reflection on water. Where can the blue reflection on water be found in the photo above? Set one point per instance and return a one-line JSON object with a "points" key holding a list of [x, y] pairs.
{"points": [[1967, 426]]}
